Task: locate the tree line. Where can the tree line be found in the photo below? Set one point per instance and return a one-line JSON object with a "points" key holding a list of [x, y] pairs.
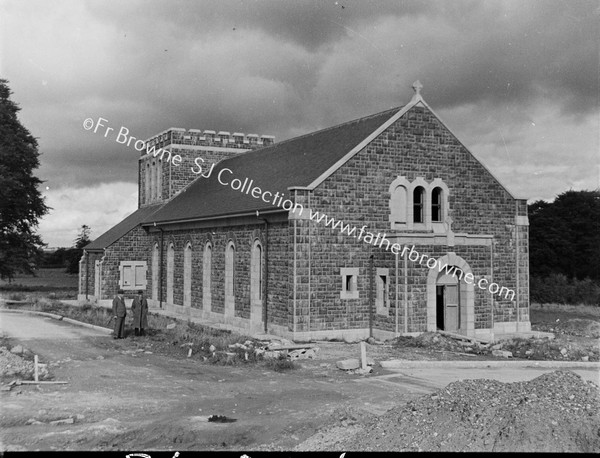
{"points": [[564, 248]]}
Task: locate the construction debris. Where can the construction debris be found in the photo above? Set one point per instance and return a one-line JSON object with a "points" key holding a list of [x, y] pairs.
{"points": [[64, 421], [221, 419], [502, 353], [11, 364], [348, 364], [17, 350]]}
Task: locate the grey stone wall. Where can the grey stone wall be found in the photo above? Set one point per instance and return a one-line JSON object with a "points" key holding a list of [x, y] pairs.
{"points": [[417, 145]]}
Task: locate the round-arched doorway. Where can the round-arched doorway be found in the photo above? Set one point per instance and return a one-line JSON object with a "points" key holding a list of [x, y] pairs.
{"points": [[450, 299]]}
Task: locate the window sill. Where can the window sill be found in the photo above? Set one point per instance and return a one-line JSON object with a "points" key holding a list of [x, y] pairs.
{"points": [[348, 294]]}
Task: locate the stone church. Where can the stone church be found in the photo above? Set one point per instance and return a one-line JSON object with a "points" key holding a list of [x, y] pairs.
{"points": [[226, 233]]}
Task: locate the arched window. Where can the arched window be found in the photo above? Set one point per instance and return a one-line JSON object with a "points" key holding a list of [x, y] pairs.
{"points": [[147, 183], [229, 279], [418, 204], [155, 271], [153, 182], [170, 272], [256, 272], [437, 214], [159, 179], [399, 205], [206, 276], [187, 275]]}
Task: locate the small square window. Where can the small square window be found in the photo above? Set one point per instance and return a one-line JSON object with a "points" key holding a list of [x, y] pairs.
{"points": [[132, 275], [349, 283]]}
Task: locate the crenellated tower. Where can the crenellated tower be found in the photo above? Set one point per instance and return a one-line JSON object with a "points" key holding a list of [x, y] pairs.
{"points": [[170, 158]]}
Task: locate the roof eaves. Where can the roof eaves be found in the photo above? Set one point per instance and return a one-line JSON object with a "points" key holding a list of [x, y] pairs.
{"points": [[209, 218]]}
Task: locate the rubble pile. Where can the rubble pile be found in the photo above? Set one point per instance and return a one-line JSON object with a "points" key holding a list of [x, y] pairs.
{"points": [[552, 350], [13, 365], [437, 341], [581, 327], [555, 412], [563, 349]]}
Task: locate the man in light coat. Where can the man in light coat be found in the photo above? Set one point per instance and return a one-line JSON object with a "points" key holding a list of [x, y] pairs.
{"points": [[119, 312], [139, 309]]}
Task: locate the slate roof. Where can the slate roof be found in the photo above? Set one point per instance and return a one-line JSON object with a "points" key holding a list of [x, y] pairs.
{"points": [[118, 231], [295, 162]]}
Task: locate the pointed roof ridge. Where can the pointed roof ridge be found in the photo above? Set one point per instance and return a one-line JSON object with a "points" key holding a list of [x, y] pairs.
{"points": [[316, 132], [292, 163], [337, 126]]}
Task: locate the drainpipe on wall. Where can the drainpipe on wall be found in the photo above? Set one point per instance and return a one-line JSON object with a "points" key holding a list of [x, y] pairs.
{"points": [[371, 273], [266, 281], [160, 282]]}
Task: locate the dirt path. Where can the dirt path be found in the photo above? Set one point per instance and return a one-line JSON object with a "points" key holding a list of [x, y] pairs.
{"points": [[120, 398]]}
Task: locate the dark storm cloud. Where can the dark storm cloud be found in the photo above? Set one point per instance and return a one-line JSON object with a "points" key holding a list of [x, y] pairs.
{"points": [[496, 70], [538, 50], [307, 23]]}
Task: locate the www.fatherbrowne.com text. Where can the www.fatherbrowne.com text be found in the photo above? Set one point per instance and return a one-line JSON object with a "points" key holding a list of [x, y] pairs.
{"points": [[277, 199]]}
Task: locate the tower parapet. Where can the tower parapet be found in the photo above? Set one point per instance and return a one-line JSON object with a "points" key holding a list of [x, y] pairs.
{"points": [[160, 179], [196, 137]]}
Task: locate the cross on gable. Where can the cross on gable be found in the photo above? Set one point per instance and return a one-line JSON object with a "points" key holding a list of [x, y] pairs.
{"points": [[417, 86]]}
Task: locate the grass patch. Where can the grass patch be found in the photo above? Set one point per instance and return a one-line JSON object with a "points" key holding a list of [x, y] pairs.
{"points": [[575, 311], [71, 291]]}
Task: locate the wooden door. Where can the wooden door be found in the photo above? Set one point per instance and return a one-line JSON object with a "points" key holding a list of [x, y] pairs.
{"points": [[451, 308]]}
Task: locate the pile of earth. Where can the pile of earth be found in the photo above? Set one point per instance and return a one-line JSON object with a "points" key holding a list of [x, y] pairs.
{"points": [[563, 348], [432, 340], [555, 412], [14, 366]]}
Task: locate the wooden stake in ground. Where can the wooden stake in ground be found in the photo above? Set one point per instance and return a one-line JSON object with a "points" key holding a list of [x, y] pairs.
{"points": [[35, 368], [363, 355]]}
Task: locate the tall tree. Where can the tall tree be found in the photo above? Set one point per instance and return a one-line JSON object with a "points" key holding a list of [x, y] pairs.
{"points": [[75, 253], [565, 235], [83, 238], [21, 204]]}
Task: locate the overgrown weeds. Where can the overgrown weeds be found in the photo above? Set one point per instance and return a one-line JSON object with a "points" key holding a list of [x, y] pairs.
{"points": [[176, 337]]}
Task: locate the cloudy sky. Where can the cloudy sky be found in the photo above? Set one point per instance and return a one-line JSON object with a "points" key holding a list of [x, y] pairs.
{"points": [[516, 81]]}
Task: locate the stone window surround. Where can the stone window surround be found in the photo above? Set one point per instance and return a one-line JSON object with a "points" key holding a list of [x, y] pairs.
{"points": [[397, 215], [351, 272], [170, 272], [229, 283], [153, 180], [382, 302], [155, 271], [188, 254], [256, 269], [206, 275]]}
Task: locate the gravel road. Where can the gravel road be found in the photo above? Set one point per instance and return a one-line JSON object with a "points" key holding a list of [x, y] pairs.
{"points": [[122, 396]]}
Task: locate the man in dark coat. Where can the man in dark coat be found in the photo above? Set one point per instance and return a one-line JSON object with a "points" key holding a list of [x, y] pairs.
{"points": [[139, 308], [119, 312]]}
